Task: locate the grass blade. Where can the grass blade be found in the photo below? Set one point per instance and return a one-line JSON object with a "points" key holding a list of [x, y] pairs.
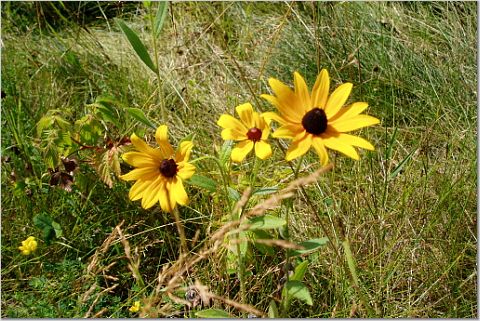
{"points": [[160, 17]]}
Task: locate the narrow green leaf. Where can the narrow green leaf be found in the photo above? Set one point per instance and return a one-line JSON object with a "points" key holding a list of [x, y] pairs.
{"points": [[391, 143], [310, 246], [298, 290], [212, 313], [160, 17], [137, 45], [273, 310], [400, 166], [265, 222], [299, 272], [265, 190], [225, 152], [203, 182], [139, 115]]}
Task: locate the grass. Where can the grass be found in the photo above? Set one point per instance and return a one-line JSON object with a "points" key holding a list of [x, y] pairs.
{"points": [[408, 210]]}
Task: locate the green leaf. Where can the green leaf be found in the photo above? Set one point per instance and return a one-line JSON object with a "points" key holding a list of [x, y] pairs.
{"points": [[58, 229], [49, 227], [262, 235], [212, 313], [137, 45], [160, 17], [139, 115], [299, 271], [203, 182], [265, 222], [233, 194], [265, 190], [273, 310], [42, 220], [298, 290], [43, 123], [310, 246]]}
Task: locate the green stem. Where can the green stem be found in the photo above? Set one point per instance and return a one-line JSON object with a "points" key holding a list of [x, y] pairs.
{"points": [[181, 231], [155, 53]]}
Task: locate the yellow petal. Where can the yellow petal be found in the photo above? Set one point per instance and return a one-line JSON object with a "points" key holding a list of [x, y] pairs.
{"points": [[321, 150], [355, 141], [229, 133], [287, 131], [299, 146], [241, 150], [349, 112], [141, 146], [136, 191], [184, 151], [151, 194], [263, 150], [338, 99], [245, 112], [138, 159], [164, 198], [179, 192], [339, 145], [142, 173], [171, 195], [227, 121], [320, 90], [286, 101], [301, 90], [185, 170], [161, 136], [269, 116], [353, 123]]}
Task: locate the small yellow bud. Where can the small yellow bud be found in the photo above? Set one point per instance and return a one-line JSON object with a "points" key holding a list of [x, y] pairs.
{"points": [[28, 246]]}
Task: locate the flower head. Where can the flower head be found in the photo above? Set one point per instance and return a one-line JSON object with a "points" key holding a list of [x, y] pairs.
{"points": [[135, 307], [251, 131], [317, 119], [159, 172], [28, 246]]}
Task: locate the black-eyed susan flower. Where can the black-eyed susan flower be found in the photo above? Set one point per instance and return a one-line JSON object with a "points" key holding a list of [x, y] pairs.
{"points": [[28, 246], [317, 119], [135, 307], [159, 172], [251, 131]]}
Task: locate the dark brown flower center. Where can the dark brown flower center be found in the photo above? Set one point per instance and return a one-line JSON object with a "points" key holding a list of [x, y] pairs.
{"points": [[168, 168], [315, 121], [254, 134]]}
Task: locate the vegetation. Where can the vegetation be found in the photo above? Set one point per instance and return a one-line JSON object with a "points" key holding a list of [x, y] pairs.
{"points": [[390, 235]]}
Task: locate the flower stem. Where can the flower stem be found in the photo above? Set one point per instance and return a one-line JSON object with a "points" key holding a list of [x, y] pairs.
{"points": [[181, 231]]}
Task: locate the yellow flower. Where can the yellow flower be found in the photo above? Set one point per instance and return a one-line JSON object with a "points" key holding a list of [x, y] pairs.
{"points": [[251, 131], [28, 246], [159, 172], [317, 119], [135, 307]]}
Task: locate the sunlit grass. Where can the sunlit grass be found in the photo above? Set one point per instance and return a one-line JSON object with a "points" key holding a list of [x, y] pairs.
{"points": [[408, 209]]}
